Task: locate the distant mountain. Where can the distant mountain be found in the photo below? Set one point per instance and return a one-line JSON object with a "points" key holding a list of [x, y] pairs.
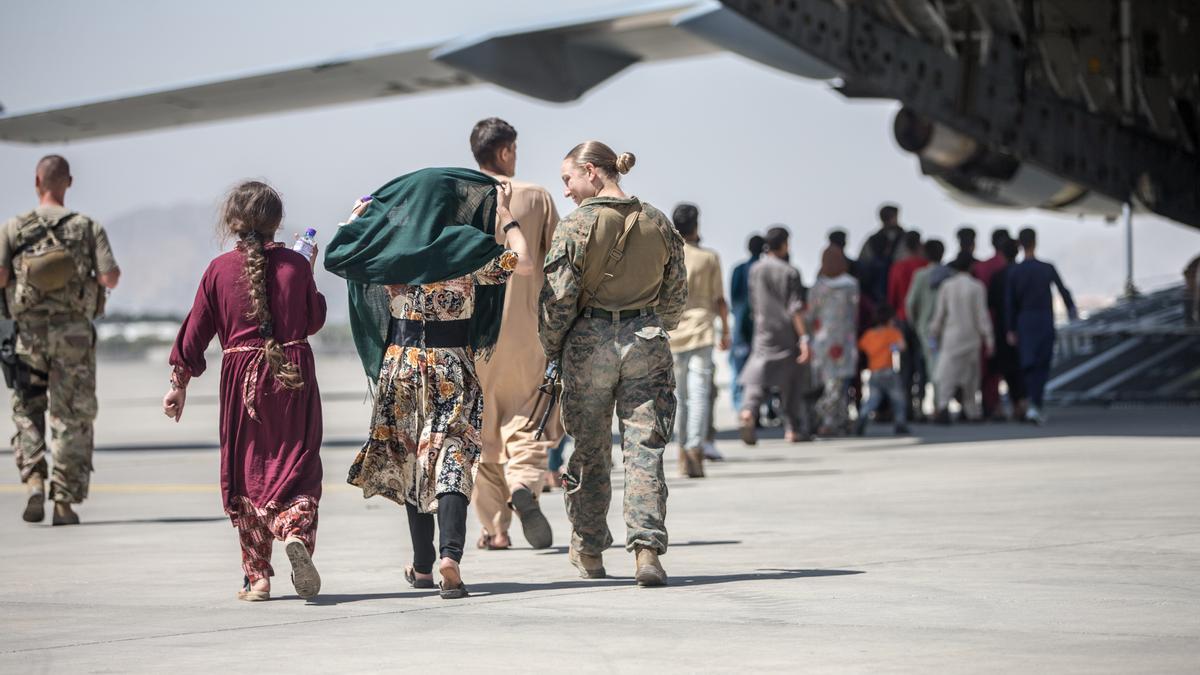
{"points": [[163, 251]]}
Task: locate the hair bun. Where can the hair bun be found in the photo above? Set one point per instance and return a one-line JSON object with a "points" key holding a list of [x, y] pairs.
{"points": [[625, 162]]}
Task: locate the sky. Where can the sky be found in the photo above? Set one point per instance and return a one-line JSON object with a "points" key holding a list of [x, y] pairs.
{"points": [[751, 146]]}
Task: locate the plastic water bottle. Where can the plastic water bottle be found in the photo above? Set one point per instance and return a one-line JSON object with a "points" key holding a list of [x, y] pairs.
{"points": [[304, 245], [896, 358]]}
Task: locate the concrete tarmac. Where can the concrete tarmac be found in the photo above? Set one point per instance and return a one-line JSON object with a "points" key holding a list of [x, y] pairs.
{"points": [[985, 548]]}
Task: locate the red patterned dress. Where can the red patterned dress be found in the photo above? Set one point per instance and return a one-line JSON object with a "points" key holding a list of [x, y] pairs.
{"points": [[424, 438], [270, 436]]}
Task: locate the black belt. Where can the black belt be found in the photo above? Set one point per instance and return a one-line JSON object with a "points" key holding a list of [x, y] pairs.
{"points": [[430, 334], [623, 315]]}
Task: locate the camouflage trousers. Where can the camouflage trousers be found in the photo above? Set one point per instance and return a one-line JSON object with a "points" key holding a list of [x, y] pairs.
{"points": [[625, 366], [60, 353]]}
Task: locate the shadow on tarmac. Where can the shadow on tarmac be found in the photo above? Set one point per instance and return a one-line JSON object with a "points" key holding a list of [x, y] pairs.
{"points": [[168, 520], [559, 550], [505, 588]]}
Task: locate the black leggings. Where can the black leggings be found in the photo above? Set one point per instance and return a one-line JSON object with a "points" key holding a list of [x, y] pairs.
{"points": [[452, 526]]}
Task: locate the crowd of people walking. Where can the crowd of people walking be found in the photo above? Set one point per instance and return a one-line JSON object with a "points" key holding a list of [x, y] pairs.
{"points": [[455, 277], [930, 336]]}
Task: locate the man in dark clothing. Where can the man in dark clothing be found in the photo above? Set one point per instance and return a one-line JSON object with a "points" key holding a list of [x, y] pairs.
{"points": [[875, 260], [837, 239], [743, 315], [966, 244], [984, 271], [1005, 361], [1029, 313]]}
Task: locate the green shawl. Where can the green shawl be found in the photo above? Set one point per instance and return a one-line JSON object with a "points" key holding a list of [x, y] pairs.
{"points": [[421, 228]]}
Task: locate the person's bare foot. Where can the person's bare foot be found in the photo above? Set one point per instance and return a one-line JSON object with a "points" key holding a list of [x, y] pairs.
{"points": [[255, 592], [501, 540], [451, 575], [423, 577]]}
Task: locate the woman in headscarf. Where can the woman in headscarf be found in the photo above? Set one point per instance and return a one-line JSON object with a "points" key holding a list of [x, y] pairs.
{"points": [[426, 292], [833, 314]]}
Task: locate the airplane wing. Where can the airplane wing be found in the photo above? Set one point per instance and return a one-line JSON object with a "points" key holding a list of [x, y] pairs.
{"points": [[325, 82], [556, 61]]}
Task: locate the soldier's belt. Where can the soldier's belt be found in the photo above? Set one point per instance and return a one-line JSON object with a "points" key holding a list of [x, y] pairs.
{"points": [[623, 315], [430, 334]]}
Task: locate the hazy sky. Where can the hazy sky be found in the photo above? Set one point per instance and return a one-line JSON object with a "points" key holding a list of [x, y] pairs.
{"points": [[750, 145]]}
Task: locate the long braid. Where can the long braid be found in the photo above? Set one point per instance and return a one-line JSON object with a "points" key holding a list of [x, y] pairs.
{"points": [[253, 211], [285, 372]]}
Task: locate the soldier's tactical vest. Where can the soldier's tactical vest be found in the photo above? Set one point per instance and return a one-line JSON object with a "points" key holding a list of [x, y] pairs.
{"points": [[54, 267]]}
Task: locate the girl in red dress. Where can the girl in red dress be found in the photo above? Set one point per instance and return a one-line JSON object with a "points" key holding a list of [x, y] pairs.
{"points": [[261, 302]]}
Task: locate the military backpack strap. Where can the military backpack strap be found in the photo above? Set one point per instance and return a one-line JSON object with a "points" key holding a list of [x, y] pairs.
{"points": [[47, 229], [615, 254]]}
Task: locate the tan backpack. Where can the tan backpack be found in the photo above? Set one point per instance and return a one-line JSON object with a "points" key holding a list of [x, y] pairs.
{"points": [[46, 263]]}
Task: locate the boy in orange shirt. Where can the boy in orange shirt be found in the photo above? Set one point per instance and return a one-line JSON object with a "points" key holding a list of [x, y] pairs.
{"points": [[879, 344]]}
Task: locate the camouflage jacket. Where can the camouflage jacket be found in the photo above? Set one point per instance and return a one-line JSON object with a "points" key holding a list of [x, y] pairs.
{"points": [[567, 263]]}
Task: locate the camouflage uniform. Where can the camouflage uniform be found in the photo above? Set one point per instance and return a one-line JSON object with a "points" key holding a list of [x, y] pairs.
{"points": [[56, 344], [610, 363]]}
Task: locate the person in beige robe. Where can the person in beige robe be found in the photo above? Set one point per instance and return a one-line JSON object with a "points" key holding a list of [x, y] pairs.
{"points": [[960, 326], [513, 465]]}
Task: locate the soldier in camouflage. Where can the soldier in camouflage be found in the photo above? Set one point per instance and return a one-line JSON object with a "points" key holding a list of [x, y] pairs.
{"points": [[55, 267], [615, 283]]}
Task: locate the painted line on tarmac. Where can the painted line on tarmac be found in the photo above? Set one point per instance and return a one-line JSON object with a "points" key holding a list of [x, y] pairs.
{"points": [[161, 488]]}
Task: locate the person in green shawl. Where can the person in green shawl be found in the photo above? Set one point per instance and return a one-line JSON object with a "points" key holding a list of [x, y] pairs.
{"points": [[426, 283]]}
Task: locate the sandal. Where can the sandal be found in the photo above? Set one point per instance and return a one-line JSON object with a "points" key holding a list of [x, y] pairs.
{"points": [[249, 594], [305, 578], [455, 593], [485, 544], [410, 575]]}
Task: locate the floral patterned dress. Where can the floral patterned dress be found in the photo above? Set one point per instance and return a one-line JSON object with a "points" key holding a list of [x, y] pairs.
{"points": [[425, 439], [833, 320]]}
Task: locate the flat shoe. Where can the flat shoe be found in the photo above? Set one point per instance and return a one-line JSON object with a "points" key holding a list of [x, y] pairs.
{"points": [[305, 578], [534, 525], [748, 433], [452, 593], [249, 595], [485, 544], [410, 575]]}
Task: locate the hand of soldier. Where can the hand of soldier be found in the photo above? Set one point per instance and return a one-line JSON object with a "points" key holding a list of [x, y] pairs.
{"points": [[804, 353], [173, 403]]}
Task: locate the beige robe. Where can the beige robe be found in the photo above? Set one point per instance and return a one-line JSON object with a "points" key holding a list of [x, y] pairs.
{"points": [[962, 327], [511, 377]]}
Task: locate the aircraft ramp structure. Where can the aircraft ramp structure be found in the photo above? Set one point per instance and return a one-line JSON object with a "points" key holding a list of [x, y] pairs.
{"points": [[1139, 350]]}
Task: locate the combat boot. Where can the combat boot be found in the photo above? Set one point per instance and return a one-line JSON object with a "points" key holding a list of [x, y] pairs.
{"points": [[649, 571], [589, 566], [64, 514], [35, 508]]}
